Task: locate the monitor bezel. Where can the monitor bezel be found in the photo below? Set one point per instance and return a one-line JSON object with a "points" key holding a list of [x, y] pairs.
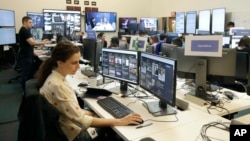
{"points": [[14, 20], [86, 18], [174, 78], [131, 52]]}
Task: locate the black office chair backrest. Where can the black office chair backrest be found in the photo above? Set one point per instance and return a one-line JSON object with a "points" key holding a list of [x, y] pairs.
{"points": [[150, 49], [242, 66]]}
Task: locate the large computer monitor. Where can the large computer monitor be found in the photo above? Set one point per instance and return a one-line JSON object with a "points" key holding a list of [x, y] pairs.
{"points": [[204, 20], [7, 17], [150, 23], [158, 76], [57, 20], [191, 22], [37, 33], [207, 69], [120, 65], [92, 53], [180, 22], [138, 43], [37, 19], [8, 36], [101, 21], [218, 20]]}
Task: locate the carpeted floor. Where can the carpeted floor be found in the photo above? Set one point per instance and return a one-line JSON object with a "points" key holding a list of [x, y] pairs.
{"points": [[10, 99]]}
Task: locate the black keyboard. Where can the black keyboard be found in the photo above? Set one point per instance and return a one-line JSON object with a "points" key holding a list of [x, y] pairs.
{"points": [[114, 107]]}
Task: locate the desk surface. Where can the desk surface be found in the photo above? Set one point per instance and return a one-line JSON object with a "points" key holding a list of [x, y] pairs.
{"points": [[191, 119], [242, 102], [191, 131], [53, 45], [131, 133]]}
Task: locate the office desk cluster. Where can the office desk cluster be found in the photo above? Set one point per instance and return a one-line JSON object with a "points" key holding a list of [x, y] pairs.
{"points": [[185, 125]]}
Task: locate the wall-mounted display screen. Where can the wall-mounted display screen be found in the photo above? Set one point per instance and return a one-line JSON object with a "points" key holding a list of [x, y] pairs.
{"points": [[180, 22], [124, 21], [101, 21], [204, 20], [53, 19], [151, 23], [7, 17], [191, 22], [218, 20]]}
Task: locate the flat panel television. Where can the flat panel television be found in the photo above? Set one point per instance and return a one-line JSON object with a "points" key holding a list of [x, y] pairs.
{"points": [[150, 23], [101, 21]]}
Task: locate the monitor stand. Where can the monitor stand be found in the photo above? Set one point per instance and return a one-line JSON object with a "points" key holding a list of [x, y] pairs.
{"points": [[123, 89], [200, 96], [159, 108]]}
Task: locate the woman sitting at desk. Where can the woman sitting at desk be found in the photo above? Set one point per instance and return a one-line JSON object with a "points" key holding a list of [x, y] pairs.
{"points": [[244, 44], [55, 88]]}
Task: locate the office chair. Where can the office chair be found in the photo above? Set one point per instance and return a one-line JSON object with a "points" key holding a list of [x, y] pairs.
{"points": [[38, 119], [242, 67], [17, 65]]}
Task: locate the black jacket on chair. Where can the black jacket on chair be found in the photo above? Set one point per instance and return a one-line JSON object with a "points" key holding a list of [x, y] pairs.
{"points": [[39, 120]]}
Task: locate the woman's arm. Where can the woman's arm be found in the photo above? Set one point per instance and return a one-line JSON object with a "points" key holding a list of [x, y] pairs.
{"points": [[129, 119]]}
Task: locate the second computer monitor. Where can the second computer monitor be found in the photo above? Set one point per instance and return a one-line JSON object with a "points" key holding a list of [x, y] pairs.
{"points": [[158, 76], [120, 65]]}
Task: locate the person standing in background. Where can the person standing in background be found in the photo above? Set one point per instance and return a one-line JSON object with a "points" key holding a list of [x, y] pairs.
{"points": [[101, 37], [28, 57]]}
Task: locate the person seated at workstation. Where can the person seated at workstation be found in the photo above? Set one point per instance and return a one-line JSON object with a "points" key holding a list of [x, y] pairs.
{"points": [[244, 44], [163, 39], [229, 25], [51, 79], [114, 42], [29, 60], [101, 37], [123, 43], [153, 41], [177, 41], [142, 33]]}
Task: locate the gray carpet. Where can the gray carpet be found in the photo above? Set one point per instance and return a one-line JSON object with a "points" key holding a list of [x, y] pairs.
{"points": [[10, 99]]}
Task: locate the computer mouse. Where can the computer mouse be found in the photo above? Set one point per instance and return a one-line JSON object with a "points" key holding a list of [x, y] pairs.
{"points": [[147, 139], [82, 84], [139, 122]]}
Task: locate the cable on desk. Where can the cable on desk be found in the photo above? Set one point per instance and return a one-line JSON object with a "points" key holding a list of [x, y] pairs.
{"points": [[218, 125], [216, 108], [177, 119]]}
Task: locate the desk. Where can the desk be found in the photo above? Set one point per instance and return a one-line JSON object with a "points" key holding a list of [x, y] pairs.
{"points": [[191, 131], [53, 45], [191, 119], [235, 105], [131, 133]]}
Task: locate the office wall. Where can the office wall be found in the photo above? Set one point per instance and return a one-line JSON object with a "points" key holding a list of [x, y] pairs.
{"points": [[237, 11], [135, 8]]}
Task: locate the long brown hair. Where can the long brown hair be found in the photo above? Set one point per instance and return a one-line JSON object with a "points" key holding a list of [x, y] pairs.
{"points": [[63, 51]]}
